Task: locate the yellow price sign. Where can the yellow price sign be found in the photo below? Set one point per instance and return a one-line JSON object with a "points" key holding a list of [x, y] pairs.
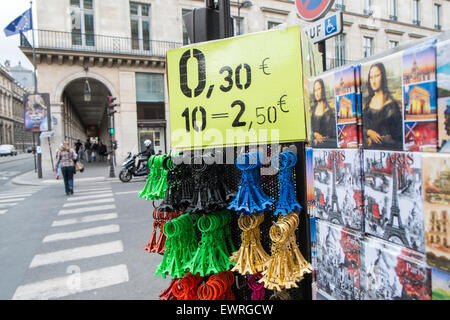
{"points": [[245, 90]]}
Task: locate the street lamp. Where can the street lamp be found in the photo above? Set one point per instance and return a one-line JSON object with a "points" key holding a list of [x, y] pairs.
{"points": [[244, 4], [87, 87], [87, 91]]}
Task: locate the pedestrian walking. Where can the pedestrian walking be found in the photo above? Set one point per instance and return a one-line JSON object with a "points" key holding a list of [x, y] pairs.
{"points": [[94, 151], [81, 154], [66, 158], [102, 151], [58, 166], [78, 145], [87, 147]]}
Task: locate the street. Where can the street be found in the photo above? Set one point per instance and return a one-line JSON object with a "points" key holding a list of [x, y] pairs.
{"points": [[11, 166], [85, 246]]}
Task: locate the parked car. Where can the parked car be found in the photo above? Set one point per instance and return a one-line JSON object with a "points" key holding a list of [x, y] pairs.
{"points": [[7, 150]]}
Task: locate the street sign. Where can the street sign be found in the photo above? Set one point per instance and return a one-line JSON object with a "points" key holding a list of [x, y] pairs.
{"points": [[47, 134], [311, 10], [237, 91], [325, 28]]}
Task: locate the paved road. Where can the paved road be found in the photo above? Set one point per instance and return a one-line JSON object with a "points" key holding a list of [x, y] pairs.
{"points": [[13, 166], [85, 246]]}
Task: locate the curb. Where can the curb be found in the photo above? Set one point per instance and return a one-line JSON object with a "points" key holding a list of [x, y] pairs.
{"points": [[17, 180]]}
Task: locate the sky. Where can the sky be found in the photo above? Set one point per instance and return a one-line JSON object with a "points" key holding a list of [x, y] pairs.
{"points": [[9, 46]]}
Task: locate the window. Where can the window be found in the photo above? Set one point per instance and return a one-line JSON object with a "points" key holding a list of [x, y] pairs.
{"points": [[368, 46], [393, 10], [340, 50], [82, 21], [367, 7], [238, 25], [140, 26], [150, 96], [272, 24], [339, 5], [150, 87], [185, 33], [437, 16], [416, 12], [393, 44]]}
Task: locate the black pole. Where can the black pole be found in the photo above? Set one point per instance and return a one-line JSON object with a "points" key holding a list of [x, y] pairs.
{"points": [[51, 156], [322, 50], [303, 231], [112, 173], [34, 152], [225, 26]]}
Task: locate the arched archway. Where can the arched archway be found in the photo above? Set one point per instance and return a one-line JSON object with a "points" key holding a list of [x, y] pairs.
{"points": [[82, 75], [84, 116]]}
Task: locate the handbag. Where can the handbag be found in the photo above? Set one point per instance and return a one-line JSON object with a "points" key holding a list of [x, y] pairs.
{"points": [[79, 166]]}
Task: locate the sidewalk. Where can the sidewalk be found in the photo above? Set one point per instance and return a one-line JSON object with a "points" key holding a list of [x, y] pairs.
{"points": [[94, 171]]}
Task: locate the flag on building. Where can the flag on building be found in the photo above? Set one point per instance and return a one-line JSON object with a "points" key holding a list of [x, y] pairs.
{"points": [[22, 23]]}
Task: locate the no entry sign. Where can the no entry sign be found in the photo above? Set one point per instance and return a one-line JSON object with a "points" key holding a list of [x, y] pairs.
{"points": [[312, 10]]}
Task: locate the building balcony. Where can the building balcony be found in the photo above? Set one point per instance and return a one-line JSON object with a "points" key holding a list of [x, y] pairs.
{"points": [[61, 43]]}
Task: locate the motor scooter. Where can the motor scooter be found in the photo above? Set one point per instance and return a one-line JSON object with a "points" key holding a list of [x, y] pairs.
{"points": [[130, 170]]}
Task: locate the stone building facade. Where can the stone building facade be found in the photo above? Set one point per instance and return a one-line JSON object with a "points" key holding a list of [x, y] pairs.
{"points": [[12, 111]]}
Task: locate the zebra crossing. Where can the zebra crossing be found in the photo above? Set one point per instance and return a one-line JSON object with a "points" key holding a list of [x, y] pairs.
{"points": [[6, 175], [13, 197], [89, 205]]}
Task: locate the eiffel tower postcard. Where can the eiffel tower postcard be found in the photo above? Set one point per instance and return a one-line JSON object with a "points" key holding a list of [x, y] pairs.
{"points": [[393, 197], [338, 191]]}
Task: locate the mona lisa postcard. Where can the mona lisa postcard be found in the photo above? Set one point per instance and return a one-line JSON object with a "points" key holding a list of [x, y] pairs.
{"points": [[323, 111], [382, 112]]}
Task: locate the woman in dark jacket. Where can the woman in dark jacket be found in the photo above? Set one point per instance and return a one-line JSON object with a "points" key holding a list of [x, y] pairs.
{"points": [[323, 119], [382, 117]]}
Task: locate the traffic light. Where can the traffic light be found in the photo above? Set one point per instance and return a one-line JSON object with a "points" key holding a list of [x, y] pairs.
{"points": [[110, 108], [115, 146], [209, 23]]}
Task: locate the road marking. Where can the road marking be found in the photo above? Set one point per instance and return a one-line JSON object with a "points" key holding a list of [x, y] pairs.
{"points": [[15, 195], [88, 209], [76, 198], [128, 192], [87, 193], [73, 283], [8, 204], [94, 189], [81, 203], [77, 179], [85, 252], [97, 217], [12, 199], [3, 211], [112, 228]]}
